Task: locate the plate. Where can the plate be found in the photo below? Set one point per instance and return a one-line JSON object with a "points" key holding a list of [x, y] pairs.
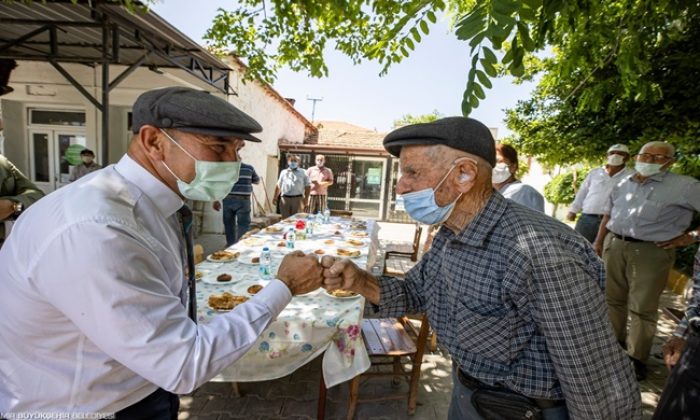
{"points": [[248, 260], [223, 256], [329, 294], [211, 279], [253, 241], [241, 288], [273, 229], [358, 234], [355, 243]]}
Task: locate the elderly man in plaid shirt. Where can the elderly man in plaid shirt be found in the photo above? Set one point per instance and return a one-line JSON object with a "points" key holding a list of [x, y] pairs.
{"points": [[514, 295]]}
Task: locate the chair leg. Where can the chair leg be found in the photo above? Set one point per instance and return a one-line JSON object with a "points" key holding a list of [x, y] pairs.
{"points": [[236, 390], [398, 372], [413, 387], [321, 407], [354, 396]]}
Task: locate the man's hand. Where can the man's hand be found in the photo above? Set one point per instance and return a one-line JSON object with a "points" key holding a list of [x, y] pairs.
{"points": [[216, 205], [7, 208], [275, 200], [679, 241], [340, 273], [301, 273], [571, 216], [673, 348], [598, 246]]}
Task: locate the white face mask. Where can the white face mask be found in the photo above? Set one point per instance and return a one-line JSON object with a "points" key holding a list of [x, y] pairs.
{"points": [[87, 159], [501, 173], [616, 160], [212, 180], [647, 169]]}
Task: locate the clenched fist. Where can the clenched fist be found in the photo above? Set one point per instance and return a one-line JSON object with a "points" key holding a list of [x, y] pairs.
{"points": [[300, 272]]}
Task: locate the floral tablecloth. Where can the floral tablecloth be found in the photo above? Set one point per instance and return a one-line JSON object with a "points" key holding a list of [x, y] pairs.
{"points": [[310, 325]]}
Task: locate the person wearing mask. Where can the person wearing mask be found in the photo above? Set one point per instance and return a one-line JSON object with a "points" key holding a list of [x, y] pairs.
{"points": [[515, 296], [88, 165], [236, 205], [505, 182], [321, 178], [292, 189], [117, 339], [592, 196], [647, 217]]}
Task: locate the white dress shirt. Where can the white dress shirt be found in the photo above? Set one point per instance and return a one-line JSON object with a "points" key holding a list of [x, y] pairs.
{"points": [[92, 290], [592, 197]]}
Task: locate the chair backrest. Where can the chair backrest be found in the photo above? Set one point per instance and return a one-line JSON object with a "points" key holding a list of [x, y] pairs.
{"points": [[416, 241]]}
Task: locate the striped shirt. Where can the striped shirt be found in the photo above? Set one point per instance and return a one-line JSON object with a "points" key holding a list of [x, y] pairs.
{"points": [[246, 177], [517, 299]]}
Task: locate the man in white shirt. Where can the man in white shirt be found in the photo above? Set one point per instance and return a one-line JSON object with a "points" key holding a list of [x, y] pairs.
{"points": [[116, 339], [594, 193]]}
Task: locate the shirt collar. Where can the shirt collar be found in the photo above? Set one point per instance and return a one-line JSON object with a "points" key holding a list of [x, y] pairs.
{"points": [[166, 201], [476, 232]]}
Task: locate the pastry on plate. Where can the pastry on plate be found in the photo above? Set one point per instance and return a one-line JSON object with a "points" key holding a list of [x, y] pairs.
{"points": [[355, 242], [319, 252], [224, 256], [223, 277], [342, 293], [254, 289], [225, 301], [348, 252]]}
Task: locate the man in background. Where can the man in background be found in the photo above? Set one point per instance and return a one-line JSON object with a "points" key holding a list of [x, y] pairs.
{"points": [[647, 217], [321, 178], [236, 205], [16, 192], [292, 189], [88, 165], [593, 195]]}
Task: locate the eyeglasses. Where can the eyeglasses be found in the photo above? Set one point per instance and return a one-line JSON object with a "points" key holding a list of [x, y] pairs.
{"points": [[653, 158]]}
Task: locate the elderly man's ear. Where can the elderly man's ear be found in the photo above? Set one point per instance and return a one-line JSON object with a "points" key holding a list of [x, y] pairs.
{"points": [[466, 178]]}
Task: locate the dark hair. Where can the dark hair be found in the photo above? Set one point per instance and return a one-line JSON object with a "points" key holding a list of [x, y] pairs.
{"points": [[87, 152], [508, 152]]}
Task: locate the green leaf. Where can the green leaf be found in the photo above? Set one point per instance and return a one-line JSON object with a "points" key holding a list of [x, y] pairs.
{"points": [[471, 24], [416, 34], [524, 32], [489, 68], [431, 16], [466, 107], [477, 40], [409, 43], [424, 27], [404, 51], [479, 91], [489, 55], [504, 7], [473, 101], [483, 79]]}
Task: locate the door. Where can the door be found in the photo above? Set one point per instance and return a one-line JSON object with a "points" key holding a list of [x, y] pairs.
{"points": [[366, 187], [49, 168]]}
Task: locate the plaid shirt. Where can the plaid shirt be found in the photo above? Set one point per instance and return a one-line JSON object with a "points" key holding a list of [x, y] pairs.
{"points": [[694, 304], [516, 298]]}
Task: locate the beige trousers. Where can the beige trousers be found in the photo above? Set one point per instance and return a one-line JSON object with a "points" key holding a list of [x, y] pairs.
{"points": [[290, 205], [636, 276]]}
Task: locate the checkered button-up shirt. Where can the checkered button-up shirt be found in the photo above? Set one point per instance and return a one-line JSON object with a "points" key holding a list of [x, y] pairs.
{"points": [[516, 298]]}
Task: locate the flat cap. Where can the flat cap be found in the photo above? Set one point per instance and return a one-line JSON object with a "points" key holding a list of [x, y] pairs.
{"points": [[194, 111], [466, 134]]}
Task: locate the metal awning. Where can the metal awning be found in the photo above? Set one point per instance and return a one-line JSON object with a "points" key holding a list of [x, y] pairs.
{"points": [[102, 33], [92, 32]]}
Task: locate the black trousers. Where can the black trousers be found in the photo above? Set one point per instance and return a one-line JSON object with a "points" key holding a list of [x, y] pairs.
{"points": [[160, 405], [681, 397]]}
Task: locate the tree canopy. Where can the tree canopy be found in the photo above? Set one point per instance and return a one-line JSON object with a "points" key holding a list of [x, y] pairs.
{"points": [[611, 70], [409, 119]]}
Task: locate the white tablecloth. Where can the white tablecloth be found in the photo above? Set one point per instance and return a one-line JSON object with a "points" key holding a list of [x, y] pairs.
{"points": [[310, 325]]}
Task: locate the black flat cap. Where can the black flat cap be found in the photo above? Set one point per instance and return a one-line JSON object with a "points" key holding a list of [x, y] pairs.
{"points": [[194, 111], [466, 134]]}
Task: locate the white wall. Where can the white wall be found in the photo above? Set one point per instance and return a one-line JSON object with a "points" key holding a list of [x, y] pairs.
{"points": [[38, 84]]}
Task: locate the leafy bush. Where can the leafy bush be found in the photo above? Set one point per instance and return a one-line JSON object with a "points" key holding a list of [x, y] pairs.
{"points": [[562, 188]]}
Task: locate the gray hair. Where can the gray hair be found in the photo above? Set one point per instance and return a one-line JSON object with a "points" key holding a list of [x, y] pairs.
{"points": [[661, 144]]}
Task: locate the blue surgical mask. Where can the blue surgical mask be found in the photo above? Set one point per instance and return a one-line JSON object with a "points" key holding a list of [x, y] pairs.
{"points": [[212, 180], [293, 165], [647, 169], [423, 208]]}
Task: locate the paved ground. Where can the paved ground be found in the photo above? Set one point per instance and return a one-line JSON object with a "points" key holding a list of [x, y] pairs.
{"points": [[296, 396]]}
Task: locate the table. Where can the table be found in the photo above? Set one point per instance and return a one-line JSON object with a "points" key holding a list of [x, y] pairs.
{"points": [[310, 325]]}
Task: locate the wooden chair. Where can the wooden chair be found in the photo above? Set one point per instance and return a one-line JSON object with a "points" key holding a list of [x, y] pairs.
{"points": [[403, 251], [396, 339]]}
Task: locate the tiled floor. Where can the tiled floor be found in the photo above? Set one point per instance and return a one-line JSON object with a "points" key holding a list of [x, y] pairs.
{"points": [[296, 396]]}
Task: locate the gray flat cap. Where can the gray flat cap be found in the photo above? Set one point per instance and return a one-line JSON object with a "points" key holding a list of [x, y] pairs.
{"points": [[466, 134], [194, 111]]}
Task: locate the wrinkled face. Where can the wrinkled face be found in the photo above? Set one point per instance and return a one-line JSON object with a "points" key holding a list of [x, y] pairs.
{"points": [[320, 161], [419, 173], [199, 147]]}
